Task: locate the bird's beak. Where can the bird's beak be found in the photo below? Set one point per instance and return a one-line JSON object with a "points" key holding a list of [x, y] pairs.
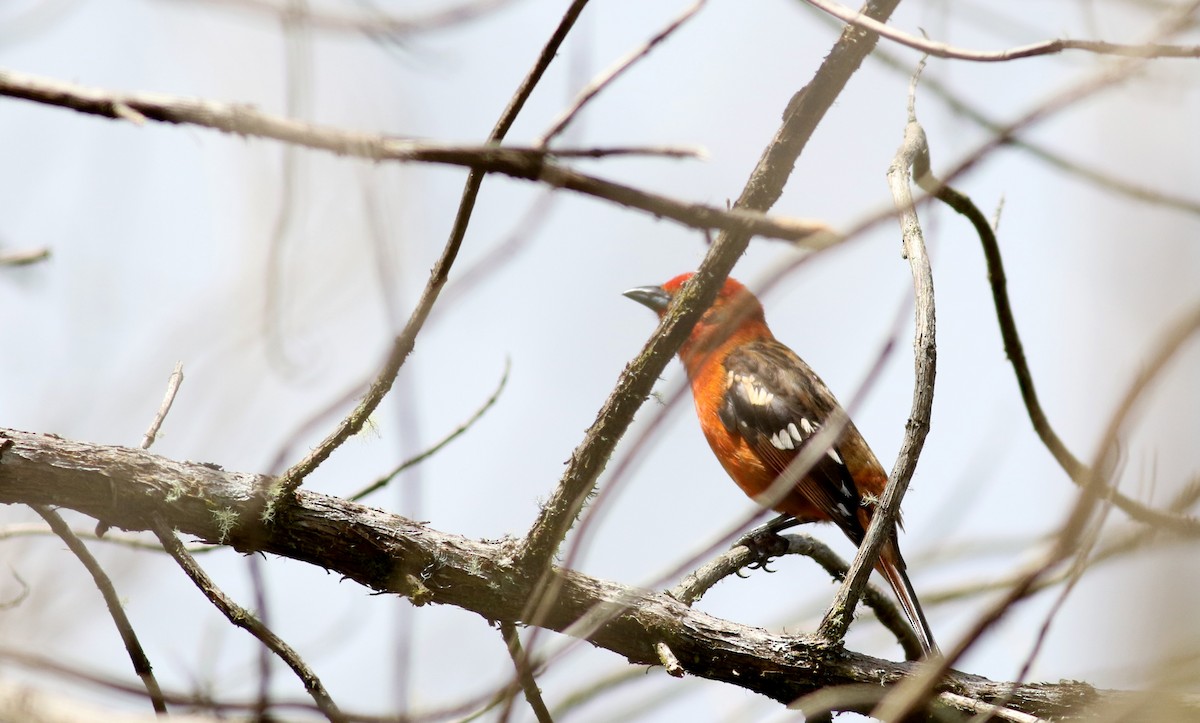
{"points": [[654, 297]]}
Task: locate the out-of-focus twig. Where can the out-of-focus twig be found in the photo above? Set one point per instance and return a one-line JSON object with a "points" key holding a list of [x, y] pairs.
{"points": [[533, 695], [24, 258], [611, 74]]}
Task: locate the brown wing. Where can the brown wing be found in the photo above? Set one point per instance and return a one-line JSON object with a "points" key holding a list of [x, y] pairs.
{"points": [[775, 402]]}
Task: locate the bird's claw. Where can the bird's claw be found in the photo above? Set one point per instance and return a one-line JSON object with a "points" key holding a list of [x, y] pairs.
{"points": [[765, 545]]}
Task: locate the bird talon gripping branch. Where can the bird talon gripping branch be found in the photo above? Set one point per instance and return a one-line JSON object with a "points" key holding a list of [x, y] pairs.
{"points": [[759, 404], [766, 544]]}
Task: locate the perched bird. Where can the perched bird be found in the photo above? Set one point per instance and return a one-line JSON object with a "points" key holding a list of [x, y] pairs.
{"points": [[759, 404]]}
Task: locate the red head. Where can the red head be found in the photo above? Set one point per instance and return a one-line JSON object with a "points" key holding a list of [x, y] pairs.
{"points": [[735, 312]]}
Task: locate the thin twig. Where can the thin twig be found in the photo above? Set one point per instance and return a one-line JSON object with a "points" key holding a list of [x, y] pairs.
{"points": [[24, 258], [606, 78], [173, 383], [383, 481], [243, 618], [697, 583], [1015, 351], [1046, 154], [131, 541], [884, 519], [371, 20], [991, 710], [910, 694], [137, 655], [1047, 47], [524, 674], [403, 344]]}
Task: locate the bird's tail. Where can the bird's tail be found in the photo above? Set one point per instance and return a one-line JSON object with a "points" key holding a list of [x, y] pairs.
{"points": [[891, 566]]}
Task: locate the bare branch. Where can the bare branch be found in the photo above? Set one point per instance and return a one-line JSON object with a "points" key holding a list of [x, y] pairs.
{"points": [[531, 164], [133, 646], [533, 695], [173, 383], [387, 553], [696, 584], [403, 344], [1015, 351], [1047, 47], [1048, 155], [909, 696], [611, 74], [242, 617], [24, 258], [887, 511], [383, 481]]}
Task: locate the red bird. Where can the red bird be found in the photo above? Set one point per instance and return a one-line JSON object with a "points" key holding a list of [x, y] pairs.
{"points": [[758, 404]]}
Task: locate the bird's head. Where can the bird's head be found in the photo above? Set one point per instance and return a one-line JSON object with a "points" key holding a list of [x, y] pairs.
{"points": [[734, 311]]}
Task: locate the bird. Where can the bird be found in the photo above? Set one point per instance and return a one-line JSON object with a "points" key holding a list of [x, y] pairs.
{"points": [[759, 404]]}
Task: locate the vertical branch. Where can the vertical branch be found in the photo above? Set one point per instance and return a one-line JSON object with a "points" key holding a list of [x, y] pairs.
{"points": [[883, 523], [141, 663]]}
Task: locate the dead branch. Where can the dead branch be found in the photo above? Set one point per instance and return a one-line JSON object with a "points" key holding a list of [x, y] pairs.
{"points": [[127, 487], [1046, 47]]}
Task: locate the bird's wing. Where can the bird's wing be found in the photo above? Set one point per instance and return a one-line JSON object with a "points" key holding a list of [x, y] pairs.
{"points": [[775, 402]]}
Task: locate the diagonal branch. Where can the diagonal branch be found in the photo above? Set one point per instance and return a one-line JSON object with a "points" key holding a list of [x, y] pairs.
{"points": [[403, 344], [137, 655], [242, 617], [764, 187]]}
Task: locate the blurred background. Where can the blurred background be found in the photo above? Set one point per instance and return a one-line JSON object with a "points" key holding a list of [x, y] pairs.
{"points": [[278, 277]]}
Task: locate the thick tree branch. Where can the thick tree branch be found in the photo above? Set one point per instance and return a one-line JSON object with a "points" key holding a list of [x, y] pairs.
{"points": [[387, 553]]}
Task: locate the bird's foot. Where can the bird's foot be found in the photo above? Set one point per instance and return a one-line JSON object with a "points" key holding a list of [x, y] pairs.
{"points": [[765, 544]]}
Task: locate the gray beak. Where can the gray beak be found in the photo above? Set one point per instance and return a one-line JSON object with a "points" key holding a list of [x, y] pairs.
{"points": [[654, 297]]}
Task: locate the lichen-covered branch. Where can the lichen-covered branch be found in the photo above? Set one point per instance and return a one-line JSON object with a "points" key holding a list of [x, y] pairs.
{"points": [[127, 488]]}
